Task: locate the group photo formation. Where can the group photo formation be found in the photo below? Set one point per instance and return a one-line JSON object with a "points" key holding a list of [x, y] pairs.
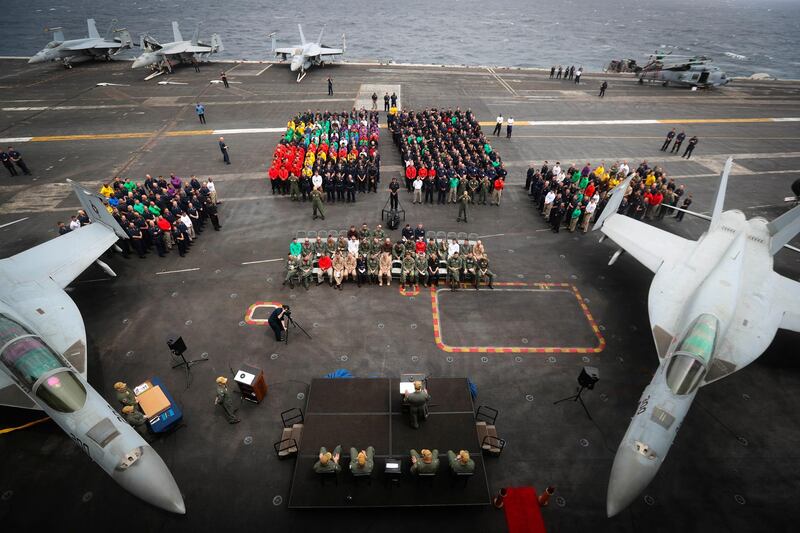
{"points": [[262, 270]]}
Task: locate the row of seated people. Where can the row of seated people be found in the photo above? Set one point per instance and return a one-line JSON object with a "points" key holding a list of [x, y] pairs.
{"points": [[416, 262], [362, 462]]}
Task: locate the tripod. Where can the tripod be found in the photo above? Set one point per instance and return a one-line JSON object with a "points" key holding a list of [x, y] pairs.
{"points": [[187, 364], [388, 212], [296, 325], [577, 398]]}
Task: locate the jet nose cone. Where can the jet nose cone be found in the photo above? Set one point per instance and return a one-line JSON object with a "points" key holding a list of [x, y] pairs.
{"points": [[36, 59], [150, 479], [630, 475], [295, 66]]}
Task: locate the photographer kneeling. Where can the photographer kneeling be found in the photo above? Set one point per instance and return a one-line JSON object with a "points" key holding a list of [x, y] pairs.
{"points": [[276, 321]]}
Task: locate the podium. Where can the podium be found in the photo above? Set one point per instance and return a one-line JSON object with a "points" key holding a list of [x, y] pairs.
{"points": [[251, 383]]}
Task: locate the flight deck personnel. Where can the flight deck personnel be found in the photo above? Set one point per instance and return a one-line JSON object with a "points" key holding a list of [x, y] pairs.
{"points": [[224, 149], [6, 159], [276, 322], [200, 109], [361, 463], [425, 462], [224, 79], [603, 88], [462, 206], [16, 158], [136, 420], [418, 404], [211, 212], [509, 127], [676, 148], [498, 125], [316, 204], [386, 102], [374, 101], [328, 462], [484, 272], [330, 86], [689, 149], [394, 99], [125, 395], [224, 399], [385, 268], [668, 140], [461, 463], [408, 272], [291, 270]]}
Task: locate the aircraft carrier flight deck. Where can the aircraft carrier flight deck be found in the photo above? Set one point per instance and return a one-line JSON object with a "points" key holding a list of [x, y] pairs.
{"points": [[557, 306]]}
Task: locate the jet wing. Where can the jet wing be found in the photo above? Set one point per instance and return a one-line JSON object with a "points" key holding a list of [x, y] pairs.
{"points": [[329, 51], [787, 300], [12, 396], [64, 258], [649, 245], [86, 45]]}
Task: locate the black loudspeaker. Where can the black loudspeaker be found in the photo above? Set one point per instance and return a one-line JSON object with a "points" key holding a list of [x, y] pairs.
{"points": [[393, 220], [588, 377], [177, 346]]}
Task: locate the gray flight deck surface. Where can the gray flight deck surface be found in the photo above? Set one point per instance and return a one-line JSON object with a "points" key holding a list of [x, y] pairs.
{"points": [[734, 465]]}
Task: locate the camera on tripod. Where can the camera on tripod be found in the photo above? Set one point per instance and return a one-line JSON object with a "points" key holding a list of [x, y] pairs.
{"points": [[287, 311]]}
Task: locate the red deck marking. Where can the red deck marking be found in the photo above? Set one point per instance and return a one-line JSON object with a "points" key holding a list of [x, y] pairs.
{"points": [[248, 316], [601, 342], [412, 293]]}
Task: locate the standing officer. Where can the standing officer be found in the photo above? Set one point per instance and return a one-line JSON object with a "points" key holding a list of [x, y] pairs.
{"points": [[394, 186], [211, 212], [6, 159], [454, 264], [125, 395], [603, 88], [426, 462], [499, 183], [687, 154], [386, 102], [136, 239], [361, 463], [157, 238], [224, 399], [330, 86], [509, 127], [224, 79], [484, 272], [462, 206], [316, 203], [136, 420], [16, 158], [668, 140], [483, 192], [224, 149], [394, 99], [460, 463], [418, 404], [498, 125], [676, 148], [200, 109]]}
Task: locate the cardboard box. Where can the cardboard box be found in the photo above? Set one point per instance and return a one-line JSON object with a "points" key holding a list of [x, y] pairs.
{"points": [[153, 401]]}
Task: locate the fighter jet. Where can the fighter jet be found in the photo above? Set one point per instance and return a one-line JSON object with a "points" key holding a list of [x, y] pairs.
{"points": [[695, 71], [43, 356], [305, 54], [715, 305], [78, 50], [163, 55]]}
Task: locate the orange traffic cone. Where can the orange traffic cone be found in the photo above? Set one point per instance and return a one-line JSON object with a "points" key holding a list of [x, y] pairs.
{"points": [[498, 500], [544, 497]]}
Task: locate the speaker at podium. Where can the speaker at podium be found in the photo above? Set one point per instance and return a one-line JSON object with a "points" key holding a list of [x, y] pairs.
{"points": [[251, 383]]}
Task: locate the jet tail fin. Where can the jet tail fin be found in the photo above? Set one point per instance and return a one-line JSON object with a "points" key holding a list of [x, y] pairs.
{"points": [[719, 201], [58, 35], [96, 210], [92, 29], [783, 229], [176, 33], [124, 39], [321, 32], [196, 34], [612, 206], [216, 43], [110, 31], [302, 36]]}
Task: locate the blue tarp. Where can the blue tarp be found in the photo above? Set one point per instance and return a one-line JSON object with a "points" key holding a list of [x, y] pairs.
{"points": [[339, 373], [473, 389]]}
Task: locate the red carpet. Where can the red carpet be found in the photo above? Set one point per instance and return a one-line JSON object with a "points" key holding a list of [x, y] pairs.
{"points": [[522, 511]]}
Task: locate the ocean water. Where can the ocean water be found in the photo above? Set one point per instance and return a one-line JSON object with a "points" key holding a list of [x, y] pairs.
{"points": [[742, 36]]}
